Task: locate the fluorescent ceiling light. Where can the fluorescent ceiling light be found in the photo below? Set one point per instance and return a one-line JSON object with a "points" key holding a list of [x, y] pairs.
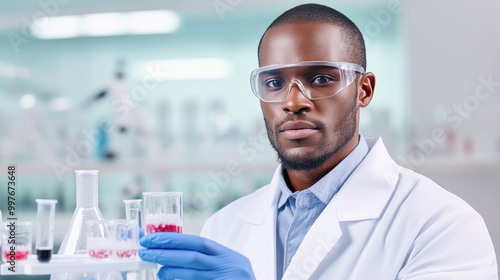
{"points": [[57, 27], [190, 69], [107, 24], [104, 24], [153, 22]]}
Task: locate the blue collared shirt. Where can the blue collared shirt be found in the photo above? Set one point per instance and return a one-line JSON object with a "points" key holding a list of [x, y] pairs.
{"points": [[297, 211]]}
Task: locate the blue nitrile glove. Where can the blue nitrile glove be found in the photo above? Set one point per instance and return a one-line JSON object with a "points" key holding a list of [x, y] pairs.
{"points": [[187, 257]]}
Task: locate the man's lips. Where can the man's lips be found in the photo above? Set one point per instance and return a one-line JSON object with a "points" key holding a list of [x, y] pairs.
{"points": [[297, 129]]}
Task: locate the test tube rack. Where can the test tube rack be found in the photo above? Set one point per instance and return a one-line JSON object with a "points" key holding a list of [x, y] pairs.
{"points": [[75, 264]]}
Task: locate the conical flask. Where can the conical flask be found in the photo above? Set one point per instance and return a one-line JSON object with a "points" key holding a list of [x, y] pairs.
{"points": [[87, 209]]}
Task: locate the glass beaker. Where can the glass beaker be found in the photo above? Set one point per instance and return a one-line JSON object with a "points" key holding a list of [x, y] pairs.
{"points": [[16, 241], [99, 241], [112, 239], [46, 211], [87, 209], [124, 237], [163, 211]]}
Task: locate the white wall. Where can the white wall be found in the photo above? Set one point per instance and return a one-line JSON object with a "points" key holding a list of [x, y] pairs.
{"points": [[451, 45]]}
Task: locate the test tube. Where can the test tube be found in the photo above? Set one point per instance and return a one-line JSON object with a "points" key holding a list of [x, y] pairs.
{"points": [[133, 210], [45, 229]]}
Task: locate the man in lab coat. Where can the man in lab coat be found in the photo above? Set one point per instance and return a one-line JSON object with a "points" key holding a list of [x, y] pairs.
{"points": [[338, 207]]}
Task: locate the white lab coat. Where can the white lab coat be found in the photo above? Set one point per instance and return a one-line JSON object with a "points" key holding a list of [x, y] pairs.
{"points": [[386, 222]]}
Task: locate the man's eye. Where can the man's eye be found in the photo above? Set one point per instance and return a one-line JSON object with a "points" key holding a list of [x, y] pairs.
{"points": [[322, 79], [274, 84]]}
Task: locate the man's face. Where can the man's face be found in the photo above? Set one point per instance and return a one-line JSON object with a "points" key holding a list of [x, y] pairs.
{"points": [[307, 133]]}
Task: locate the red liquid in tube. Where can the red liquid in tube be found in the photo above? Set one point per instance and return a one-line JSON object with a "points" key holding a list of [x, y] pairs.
{"points": [[18, 255], [163, 228]]}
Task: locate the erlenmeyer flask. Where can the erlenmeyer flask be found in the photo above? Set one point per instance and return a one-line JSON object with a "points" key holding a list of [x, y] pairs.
{"points": [[87, 209]]}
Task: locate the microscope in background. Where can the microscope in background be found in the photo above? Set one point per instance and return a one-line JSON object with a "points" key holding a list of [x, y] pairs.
{"points": [[132, 130]]}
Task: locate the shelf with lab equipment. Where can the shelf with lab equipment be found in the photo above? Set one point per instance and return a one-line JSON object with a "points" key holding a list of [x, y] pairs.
{"points": [[91, 245]]}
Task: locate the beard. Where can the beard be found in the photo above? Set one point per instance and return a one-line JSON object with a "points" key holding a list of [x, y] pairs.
{"points": [[345, 130]]}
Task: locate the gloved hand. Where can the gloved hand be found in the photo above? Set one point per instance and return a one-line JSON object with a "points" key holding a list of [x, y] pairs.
{"points": [[187, 257]]}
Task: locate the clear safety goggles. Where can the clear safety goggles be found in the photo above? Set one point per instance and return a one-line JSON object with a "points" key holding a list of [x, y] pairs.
{"points": [[316, 79]]}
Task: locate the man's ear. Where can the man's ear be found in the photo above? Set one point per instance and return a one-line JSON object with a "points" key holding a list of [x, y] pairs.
{"points": [[366, 87]]}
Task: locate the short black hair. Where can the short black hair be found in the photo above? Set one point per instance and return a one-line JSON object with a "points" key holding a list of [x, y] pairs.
{"points": [[315, 13]]}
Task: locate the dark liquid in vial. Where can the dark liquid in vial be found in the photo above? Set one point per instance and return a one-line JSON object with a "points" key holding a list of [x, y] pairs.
{"points": [[43, 255]]}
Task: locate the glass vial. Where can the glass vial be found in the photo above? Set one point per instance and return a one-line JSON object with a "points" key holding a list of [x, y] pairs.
{"points": [[133, 210], [46, 211]]}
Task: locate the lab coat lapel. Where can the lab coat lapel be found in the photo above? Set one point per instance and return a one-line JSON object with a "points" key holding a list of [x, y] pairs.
{"points": [[363, 196], [367, 191], [260, 246]]}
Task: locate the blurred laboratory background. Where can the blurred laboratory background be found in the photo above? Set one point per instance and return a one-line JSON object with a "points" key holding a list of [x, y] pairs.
{"points": [[155, 94]]}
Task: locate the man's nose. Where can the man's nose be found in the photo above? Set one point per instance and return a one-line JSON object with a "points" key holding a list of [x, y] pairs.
{"points": [[296, 101]]}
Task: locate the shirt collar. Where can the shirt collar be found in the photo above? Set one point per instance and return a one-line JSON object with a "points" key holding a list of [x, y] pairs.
{"points": [[328, 186]]}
